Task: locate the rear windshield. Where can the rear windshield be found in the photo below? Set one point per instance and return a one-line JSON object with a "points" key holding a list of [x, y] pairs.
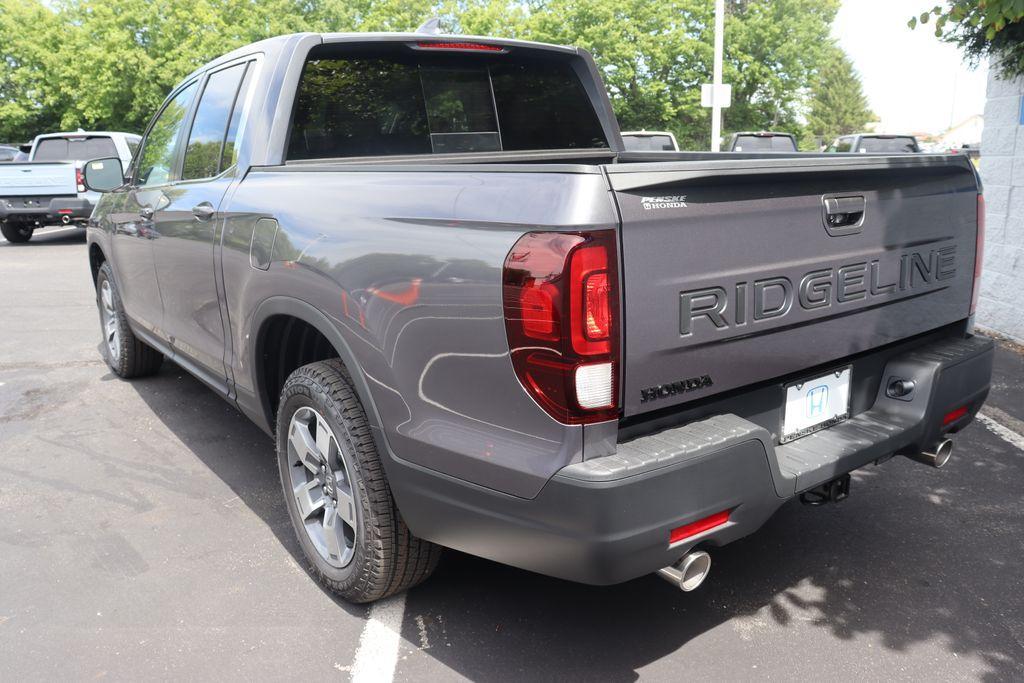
{"points": [[764, 143], [648, 143], [374, 105], [887, 145], [75, 149]]}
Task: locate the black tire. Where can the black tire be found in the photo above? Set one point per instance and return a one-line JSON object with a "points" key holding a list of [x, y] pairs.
{"points": [[16, 233], [126, 355], [385, 558]]}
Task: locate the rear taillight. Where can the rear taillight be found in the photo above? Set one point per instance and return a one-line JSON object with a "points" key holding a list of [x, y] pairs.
{"points": [[979, 254], [561, 315], [80, 180]]}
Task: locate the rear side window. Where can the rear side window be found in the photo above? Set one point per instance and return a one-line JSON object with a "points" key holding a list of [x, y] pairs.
{"points": [[889, 145], [648, 143], [230, 154], [133, 145], [423, 104], [204, 151], [75, 148]]}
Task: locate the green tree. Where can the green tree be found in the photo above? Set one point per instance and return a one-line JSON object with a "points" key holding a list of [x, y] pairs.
{"points": [[983, 28], [837, 105], [27, 104]]}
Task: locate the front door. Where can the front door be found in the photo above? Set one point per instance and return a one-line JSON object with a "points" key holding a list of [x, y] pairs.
{"points": [[132, 217]]}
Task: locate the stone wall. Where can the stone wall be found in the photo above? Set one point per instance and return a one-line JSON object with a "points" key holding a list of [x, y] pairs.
{"points": [[1001, 306]]}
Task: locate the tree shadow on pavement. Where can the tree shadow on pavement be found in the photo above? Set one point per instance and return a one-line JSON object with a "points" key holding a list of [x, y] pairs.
{"points": [[913, 556]]}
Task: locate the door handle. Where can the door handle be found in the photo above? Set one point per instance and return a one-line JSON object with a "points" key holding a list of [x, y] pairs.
{"points": [[843, 215], [146, 213], [203, 211]]}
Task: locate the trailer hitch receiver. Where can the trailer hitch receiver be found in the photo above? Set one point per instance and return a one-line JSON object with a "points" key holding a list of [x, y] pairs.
{"points": [[830, 492]]}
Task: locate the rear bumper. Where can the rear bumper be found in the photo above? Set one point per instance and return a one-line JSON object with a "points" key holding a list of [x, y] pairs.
{"points": [[608, 519], [56, 210]]}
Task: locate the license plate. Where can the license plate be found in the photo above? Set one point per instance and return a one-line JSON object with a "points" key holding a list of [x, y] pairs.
{"points": [[816, 403]]}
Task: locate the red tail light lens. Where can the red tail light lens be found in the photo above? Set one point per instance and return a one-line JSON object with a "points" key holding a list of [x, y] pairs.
{"points": [[80, 180], [561, 311], [979, 254]]}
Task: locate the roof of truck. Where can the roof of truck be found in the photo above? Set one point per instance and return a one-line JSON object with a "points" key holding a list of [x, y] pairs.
{"points": [[80, 133], [763, 133]]}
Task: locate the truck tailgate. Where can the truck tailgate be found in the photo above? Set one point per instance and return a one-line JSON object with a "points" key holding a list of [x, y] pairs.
{"points": [[736, 272], [37, 178]]}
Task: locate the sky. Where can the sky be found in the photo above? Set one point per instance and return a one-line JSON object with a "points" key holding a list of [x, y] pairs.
{"points": [[914, 82]]}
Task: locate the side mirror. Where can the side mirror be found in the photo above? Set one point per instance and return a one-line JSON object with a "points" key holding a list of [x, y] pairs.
{"points": [[103, 175]]}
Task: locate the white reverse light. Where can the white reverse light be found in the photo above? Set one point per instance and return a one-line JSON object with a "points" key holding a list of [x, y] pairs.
{"points": [[594, 385]]}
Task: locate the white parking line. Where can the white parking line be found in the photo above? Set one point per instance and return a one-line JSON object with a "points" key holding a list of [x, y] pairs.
{"points": [[1002, 431], [57, 231], [377, 654]]}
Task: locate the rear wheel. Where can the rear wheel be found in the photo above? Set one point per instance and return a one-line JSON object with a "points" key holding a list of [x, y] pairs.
{"points": [[126, 355], [336, 492], [16, 233]]}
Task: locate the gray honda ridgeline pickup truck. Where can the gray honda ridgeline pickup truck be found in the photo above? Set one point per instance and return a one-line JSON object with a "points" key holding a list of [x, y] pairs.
{"points": [[426, 265]]}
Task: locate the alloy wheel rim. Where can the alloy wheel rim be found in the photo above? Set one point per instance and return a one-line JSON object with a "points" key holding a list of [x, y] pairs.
{"points": [[108, 315], [321, 484]]}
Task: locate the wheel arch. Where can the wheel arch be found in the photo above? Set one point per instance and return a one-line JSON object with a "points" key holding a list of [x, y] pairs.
{"points": [[97, 257], [272, 310]]}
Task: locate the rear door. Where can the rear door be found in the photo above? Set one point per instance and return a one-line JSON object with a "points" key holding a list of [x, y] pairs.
{"points": [[734, 273], [188, 224]]}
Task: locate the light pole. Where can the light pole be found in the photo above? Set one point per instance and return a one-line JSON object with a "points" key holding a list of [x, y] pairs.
{"points": [[716, 102]]}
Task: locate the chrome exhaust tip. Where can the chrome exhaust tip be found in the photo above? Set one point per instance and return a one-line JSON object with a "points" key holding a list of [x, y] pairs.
{"points": [[65, 219], [688, 573], [936, 456]]}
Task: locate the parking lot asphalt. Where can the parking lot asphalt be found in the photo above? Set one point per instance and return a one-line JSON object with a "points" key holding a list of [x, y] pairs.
{"points": [[143, 534]]}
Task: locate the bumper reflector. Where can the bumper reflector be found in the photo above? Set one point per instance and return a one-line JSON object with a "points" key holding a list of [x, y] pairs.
{"points": [[954, 415], [684, 532]]}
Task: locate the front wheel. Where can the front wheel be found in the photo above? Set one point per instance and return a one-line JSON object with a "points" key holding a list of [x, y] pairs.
{"points": [[336, 492], [16, 233], [126, 355]]}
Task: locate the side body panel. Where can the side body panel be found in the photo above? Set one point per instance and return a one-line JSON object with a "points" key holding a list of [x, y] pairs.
{"points": [[406, 265]]}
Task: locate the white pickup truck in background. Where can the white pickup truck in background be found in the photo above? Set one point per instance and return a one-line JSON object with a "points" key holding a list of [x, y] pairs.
{"points": [[48, 188]]}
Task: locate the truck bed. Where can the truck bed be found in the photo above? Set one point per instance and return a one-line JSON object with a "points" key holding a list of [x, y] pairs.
{"points": [[37, 178], [747, 237]]}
